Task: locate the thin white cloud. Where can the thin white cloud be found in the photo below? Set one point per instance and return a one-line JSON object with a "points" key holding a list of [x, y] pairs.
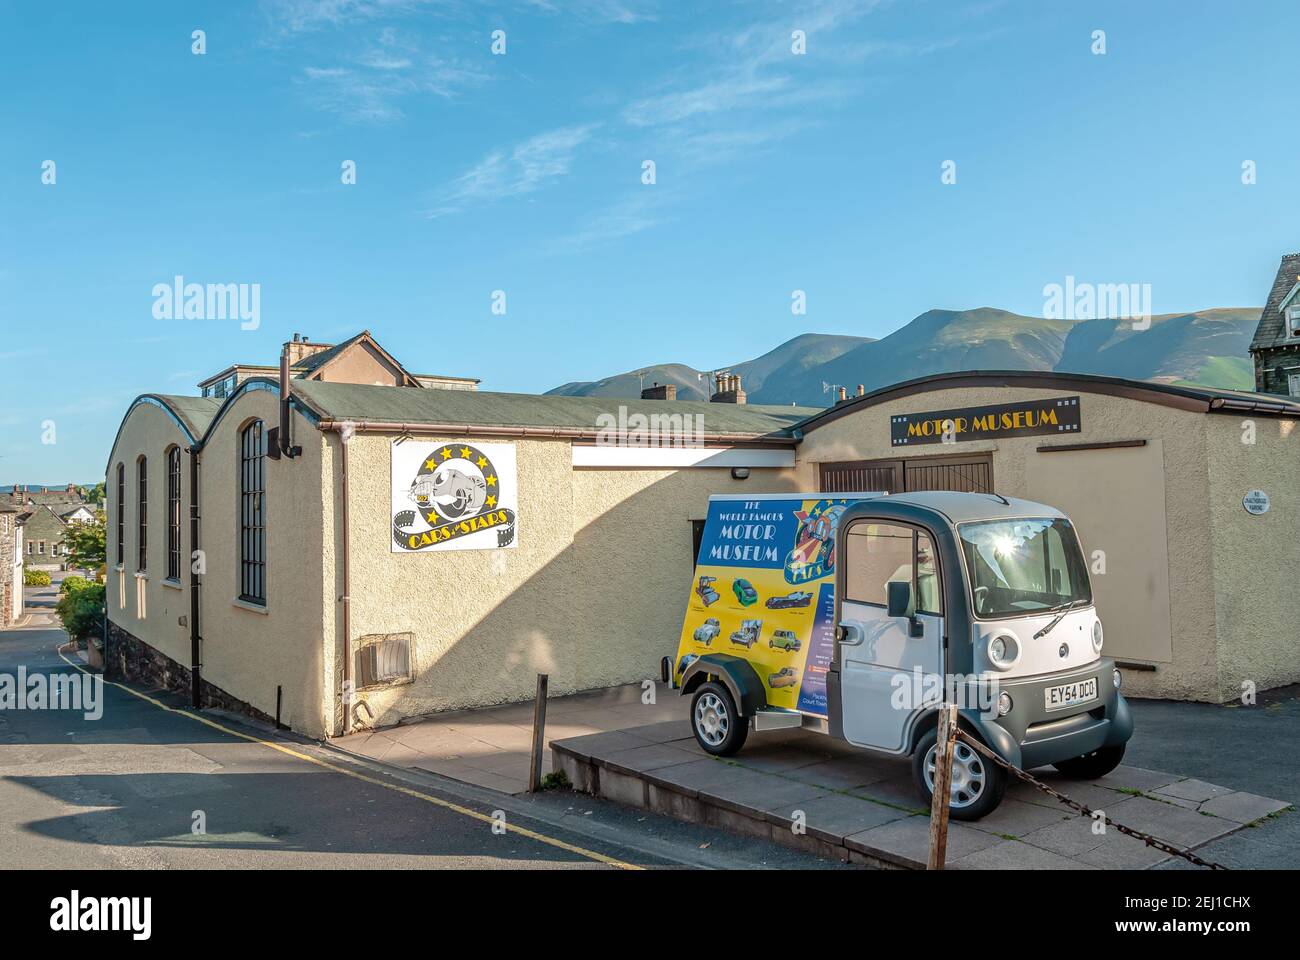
{"points": [[622, 219], [371, 85], [524, 168]]}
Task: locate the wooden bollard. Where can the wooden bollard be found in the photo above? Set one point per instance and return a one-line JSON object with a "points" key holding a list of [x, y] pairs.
{"points": [[946, 738], [539, 735]]}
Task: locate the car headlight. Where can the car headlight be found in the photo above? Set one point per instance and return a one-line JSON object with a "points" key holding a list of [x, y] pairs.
{"points": [[1004, 704], [1004, 651], [1096, 636], [1117, 681]]}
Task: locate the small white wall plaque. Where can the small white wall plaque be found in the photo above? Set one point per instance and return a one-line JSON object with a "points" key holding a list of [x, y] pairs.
{"points": [[1256, 502]]}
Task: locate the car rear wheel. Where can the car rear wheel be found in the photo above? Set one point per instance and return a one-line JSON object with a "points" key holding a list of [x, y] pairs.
{"points": [[719, 727], [1090, 766], [977, 783]]}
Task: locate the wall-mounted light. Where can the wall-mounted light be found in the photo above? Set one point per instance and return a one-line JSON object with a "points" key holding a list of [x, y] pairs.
{"points": [[739, 473]]}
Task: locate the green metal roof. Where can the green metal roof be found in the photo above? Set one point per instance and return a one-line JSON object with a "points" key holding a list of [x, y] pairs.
{"points": [[361, 403], [196, 412]]}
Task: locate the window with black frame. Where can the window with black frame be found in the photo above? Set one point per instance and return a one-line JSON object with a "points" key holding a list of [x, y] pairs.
{"points": [[142, 504], [174, 513], [121, 514], [252, 513]]}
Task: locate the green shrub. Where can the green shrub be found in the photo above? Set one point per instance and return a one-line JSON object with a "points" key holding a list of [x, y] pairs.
{"points": [[81, 611], [36, 578], [73, 583]]}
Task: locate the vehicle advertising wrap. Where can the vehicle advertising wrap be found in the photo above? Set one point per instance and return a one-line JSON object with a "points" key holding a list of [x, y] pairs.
{"points": [[764, 590]]}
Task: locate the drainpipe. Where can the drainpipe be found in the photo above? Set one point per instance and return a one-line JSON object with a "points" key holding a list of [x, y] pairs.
{"points": [[196, 664], [286, 394], [345, 430]]}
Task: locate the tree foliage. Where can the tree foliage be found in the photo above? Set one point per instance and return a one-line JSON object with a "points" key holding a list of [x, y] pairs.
{"points": [[85, 541], [81, 608]]}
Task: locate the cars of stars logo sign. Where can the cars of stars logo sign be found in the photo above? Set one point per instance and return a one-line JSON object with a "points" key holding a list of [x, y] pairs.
{"points": [[453, 496]]}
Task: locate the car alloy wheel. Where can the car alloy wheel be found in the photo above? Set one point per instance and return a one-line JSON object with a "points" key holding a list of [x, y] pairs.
{"points": [[969, 776], [712, 720]]}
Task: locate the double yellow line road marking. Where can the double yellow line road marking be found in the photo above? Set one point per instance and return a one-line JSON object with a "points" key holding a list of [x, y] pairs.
{"points": [[375, 781]]}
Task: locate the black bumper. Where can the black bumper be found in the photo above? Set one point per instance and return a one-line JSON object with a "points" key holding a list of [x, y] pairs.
{"points": [[1033, 736]]}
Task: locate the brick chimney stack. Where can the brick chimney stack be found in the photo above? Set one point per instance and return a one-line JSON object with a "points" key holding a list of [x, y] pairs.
{"points": [[660, 391], [728, 390]]}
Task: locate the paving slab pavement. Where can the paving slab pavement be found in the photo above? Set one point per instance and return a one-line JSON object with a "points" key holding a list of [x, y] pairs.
{"points": [[811, 792]]}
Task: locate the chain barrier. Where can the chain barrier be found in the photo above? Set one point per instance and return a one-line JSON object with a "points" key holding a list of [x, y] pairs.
{"points": [[1146, 838]]}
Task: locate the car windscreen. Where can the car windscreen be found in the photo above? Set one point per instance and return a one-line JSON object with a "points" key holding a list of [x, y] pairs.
{"points": [[1020, 567]]}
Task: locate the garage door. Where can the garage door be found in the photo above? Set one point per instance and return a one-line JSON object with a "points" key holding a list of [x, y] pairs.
{"points": [[1116, 498], [969, 474]]}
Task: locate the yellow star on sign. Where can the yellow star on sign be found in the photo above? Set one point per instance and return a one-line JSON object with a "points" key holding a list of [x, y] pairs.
{"points": [[482, 462], [491, 481], [446, 454], [429, 464], [464, 452], [491, 501]]}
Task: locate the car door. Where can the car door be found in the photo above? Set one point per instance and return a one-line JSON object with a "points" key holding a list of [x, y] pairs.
{"points": [[885, 670]]}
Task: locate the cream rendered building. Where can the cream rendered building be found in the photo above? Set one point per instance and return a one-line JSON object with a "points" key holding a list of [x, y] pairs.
{"points": [[306, 600]]}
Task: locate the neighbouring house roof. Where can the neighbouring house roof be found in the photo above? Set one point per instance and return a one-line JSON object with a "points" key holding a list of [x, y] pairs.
{"points": [[1272, 328], [1196, 399], [44, 524], [314, 363], [464, 410]]}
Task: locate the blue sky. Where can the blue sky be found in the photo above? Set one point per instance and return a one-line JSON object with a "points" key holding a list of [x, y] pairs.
{"points": [[522, 172]]}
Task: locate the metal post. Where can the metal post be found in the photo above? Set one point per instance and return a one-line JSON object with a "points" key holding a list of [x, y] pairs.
{"points": [[947, 736], [539, 735]]}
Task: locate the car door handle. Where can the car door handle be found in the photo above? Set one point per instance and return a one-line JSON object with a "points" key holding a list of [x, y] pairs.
{"points": [[849, 634]]}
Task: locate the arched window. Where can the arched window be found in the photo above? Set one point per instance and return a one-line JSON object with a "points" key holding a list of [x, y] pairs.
{"points": [[121, 514], [174, 513], [252, 513], [142, 500]]}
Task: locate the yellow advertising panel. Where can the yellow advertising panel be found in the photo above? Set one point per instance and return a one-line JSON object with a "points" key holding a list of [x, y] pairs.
{"points": [[764, 590]]}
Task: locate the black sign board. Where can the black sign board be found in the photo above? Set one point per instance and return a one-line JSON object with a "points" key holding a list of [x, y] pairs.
{"points": [[1028, 419]]}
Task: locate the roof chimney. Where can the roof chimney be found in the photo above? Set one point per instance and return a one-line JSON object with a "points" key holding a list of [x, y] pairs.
{"points": [[728, 390], [660, 391], [841, 394], [862, 390]]}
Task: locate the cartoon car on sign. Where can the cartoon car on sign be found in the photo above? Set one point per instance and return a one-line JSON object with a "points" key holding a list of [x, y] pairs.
{"points": [[747, 635], [799, 598], [784, 640], [704, 589], [745, 592], [706, 631], [785, 677]]}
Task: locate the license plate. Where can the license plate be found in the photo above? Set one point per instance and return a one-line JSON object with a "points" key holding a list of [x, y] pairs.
{"points": [[1069, 694]]}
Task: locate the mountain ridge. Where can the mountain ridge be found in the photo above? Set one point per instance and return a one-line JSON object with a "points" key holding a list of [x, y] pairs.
{"points": [[1202, 347]]}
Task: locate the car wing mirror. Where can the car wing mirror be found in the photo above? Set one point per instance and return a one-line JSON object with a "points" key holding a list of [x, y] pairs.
{"points": [[902, 603]]}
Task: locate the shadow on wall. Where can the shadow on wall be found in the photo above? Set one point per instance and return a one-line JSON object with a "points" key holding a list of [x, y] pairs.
{"points": [[602, 611]]}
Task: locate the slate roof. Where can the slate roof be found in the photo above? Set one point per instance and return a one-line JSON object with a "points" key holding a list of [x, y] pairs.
{"points": [[362, 402], [196, 412], [1271, 330]]}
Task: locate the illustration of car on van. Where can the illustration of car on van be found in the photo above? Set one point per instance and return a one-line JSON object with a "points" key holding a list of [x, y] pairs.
{"points": [[800, 598], [706, 631], [784, 640], [745, 592], [748, 633], [976, 586], [785, 677], [704, 590]]}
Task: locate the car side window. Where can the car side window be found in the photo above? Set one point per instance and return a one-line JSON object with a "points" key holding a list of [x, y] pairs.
{"points": [[876, 554], [928, 598]]}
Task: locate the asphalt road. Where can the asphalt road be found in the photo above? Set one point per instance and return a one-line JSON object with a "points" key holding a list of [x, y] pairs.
{"points": [[125, 790]]}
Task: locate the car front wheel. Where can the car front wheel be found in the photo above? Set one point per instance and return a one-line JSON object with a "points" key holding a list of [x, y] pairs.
{"points": [[719, 727], [977, 783]]}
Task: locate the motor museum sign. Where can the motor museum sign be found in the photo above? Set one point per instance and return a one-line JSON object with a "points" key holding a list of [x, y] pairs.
{"points": [[1025, 419]]}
